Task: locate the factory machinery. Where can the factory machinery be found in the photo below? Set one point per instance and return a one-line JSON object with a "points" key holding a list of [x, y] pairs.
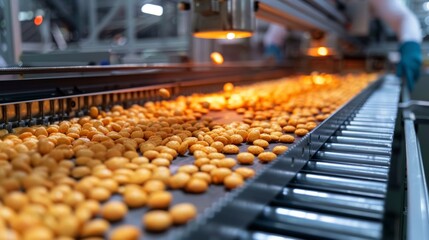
{"points": [[343, 180]]}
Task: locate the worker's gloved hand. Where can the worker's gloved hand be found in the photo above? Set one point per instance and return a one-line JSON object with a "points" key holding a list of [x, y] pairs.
{"points": [[411, 61], [274, 52]]}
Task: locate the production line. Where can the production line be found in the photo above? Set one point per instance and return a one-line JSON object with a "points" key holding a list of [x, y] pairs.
{"points": [[335, 178]]}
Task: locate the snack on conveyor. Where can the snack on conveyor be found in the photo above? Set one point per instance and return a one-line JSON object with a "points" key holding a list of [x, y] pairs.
{"points": [[53, 178]]}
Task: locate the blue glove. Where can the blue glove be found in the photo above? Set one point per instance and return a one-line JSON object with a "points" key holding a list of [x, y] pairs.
{"points": [[275, 52], [411, 61]]}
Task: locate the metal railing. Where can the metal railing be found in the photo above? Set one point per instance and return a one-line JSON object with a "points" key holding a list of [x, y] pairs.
{"points": [[417, 192]]}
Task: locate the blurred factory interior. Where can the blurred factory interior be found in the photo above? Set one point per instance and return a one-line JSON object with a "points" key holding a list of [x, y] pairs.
{"points": [[66, 33]]}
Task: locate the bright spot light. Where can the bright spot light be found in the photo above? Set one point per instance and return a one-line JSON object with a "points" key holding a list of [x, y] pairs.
{"points": [[426, 6], [38, 20], [322, 51], [216, 57], [230, 35], [152, 9]]}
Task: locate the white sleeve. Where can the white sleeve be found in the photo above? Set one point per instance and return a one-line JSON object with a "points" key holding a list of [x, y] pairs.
{"points": [[275, 35], [403, 22]]}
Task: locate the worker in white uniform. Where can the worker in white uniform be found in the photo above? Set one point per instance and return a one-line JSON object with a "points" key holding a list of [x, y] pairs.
{"points": [[397, 15]]}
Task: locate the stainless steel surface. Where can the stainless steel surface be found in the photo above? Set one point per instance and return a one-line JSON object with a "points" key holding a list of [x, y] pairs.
{"points": [[371, 124], [214, 16], [301, 14], [371, 119], [131, 67], [341, 183], [339, 201], [372, 135], [353, 227], [348, 169], [265, 236], [417, 191], [369, 129], [357, 148], [357, 158], [331, 10], [362, 141]]}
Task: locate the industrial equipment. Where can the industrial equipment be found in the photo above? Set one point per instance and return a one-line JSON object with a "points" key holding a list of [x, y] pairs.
{"points": [[344, 179]]}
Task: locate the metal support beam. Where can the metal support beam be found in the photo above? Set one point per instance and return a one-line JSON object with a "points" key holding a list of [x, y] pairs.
{"points": [[11, 35]]}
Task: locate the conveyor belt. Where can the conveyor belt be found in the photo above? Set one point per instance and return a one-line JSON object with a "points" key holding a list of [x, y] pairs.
{"points": [[341, 191]]}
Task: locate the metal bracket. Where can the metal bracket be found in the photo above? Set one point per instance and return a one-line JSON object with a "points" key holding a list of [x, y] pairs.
{"points": [[412, 108]]}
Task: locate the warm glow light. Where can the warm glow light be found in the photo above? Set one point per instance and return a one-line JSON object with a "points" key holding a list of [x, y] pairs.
{"points": [[319, 51], [230, 35], [223, 34], [322, 51], [38, 20], [318, 80], [216, 57], [152, 9]]}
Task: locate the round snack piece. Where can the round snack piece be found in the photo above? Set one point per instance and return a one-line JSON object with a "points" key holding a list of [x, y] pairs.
{"points": [[310, 126], [15, 200], [161, 162], [216, 155], [228, 87], [207, 168], [196, 185], [201, 161], [93, 112], [253, 135], [245, 158], [261, 143], [219, 174], [164, 93], [233, 181], [135, 198], [125, 232], [157, 221], [236, 139], [226, 163], [100, 194], [153, 186], [255, 150], [114, 211], [301, 132], [245, 172], [179, 180], [38, 232], [159, 200], [189, 169], [289, 129], [266, 157], [287, 138], [94, 228], [203, 175], [183, 213], [279, 149], [230, 149]]}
